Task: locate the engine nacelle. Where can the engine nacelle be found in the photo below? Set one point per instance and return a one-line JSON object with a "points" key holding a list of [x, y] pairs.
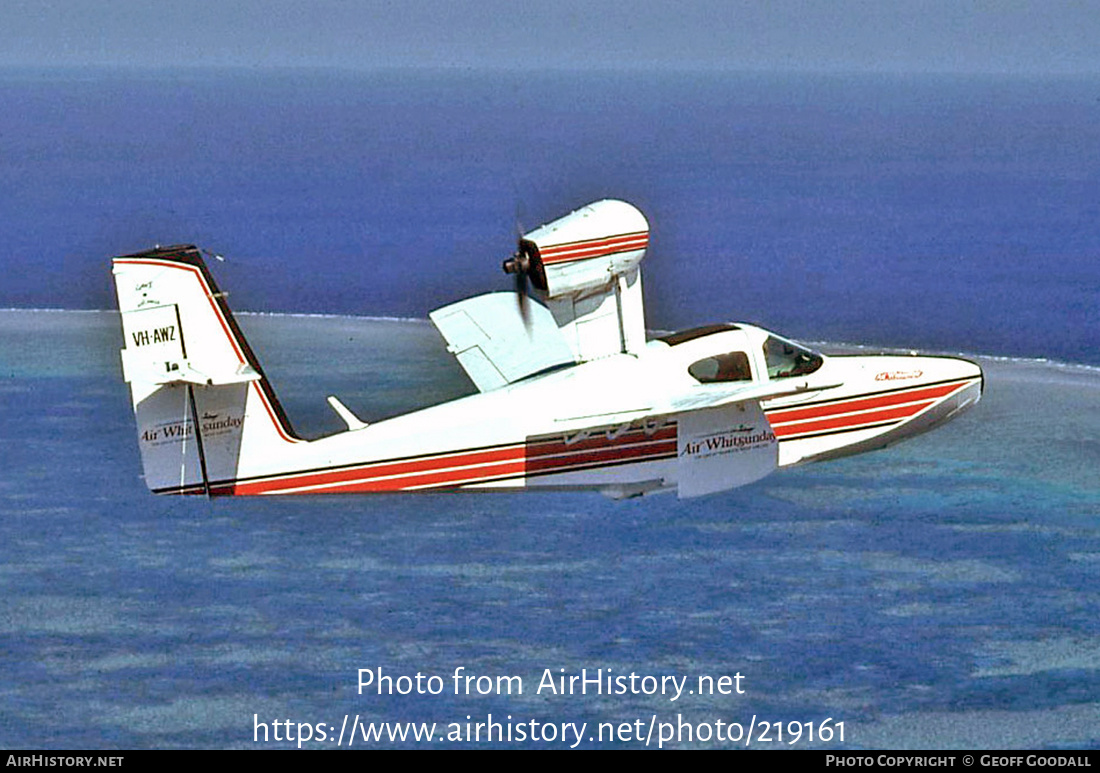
{"points": [[586, 249]]}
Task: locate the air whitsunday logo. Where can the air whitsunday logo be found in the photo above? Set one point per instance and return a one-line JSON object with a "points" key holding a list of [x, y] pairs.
{"points": [[213, 425], [729, 441]]}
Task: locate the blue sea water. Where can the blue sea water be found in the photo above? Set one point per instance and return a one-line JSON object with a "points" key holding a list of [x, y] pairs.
{"points": [[940, 594], [930, 212]]}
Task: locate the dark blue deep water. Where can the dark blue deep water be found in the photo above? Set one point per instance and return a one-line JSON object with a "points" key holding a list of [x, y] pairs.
{"points": [[939, 594], [930, 212]]}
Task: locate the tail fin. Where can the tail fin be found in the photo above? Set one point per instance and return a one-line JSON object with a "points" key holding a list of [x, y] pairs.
{"points": [[201, 401]]}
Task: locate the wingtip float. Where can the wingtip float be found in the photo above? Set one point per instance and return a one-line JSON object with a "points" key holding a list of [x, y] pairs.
{"points": [[572, 395]]}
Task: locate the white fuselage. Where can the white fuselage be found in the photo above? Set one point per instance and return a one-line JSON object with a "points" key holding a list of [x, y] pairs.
{"points": [[605, 424]]}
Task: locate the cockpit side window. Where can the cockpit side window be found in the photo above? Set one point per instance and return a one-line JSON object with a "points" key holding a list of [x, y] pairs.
{"points": [[732, 366], [786, 359]]}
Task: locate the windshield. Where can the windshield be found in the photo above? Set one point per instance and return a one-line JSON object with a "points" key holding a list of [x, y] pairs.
{"points": [[787, 359]]}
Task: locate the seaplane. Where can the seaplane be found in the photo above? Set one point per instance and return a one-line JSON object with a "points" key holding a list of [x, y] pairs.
{"points": [[571, 392]]}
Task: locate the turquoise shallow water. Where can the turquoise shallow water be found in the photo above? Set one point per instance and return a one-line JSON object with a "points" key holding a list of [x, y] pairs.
{"points": [[938, 594]]}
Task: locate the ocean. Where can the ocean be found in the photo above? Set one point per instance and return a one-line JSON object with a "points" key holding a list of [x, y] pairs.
{"points": [[938, 594], [938, 212]]}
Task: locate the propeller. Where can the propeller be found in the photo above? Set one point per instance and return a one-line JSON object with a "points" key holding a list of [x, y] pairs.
{"points": [[519, 265]]}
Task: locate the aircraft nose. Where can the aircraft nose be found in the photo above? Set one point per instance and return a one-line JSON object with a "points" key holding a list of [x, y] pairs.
{"points": [[966, 375], [976, 371], [968, 369], [935, 390], [981, 381]]}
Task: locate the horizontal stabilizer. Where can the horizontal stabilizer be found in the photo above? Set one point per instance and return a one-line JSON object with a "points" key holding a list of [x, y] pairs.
{"points": [[141, 370], [350, 419]]}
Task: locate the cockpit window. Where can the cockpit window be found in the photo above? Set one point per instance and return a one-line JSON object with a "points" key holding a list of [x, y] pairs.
{"points": [[787, 359], [733, 366]]}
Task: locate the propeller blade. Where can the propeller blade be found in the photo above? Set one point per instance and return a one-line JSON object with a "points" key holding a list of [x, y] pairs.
{"points": [[521, 217], [519, 265], [521, 296]]}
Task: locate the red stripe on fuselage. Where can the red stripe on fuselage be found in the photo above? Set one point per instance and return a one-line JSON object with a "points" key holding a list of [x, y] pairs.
{"points": [[860, 412], [785, 415], [459, 468], [851, 422], [388, 475], [442, 479]]}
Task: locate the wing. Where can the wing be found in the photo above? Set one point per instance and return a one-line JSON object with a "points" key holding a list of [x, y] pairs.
{"points": [[716, 395], [497, 343], [698, 398]]}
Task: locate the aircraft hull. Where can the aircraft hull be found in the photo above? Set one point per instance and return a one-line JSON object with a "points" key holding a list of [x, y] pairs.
{"points": [[872, 411], [619, 460]]}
